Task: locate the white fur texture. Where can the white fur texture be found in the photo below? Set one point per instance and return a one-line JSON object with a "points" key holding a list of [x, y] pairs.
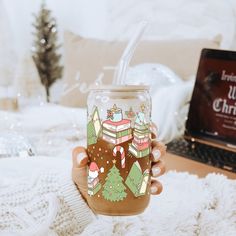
{"points": [[188, 206]]}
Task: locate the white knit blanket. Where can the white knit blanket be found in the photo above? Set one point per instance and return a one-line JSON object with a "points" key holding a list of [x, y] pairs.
{"points": [[187, 206]]}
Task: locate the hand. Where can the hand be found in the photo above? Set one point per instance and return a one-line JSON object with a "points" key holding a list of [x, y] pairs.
{"points": [[80, 165]]}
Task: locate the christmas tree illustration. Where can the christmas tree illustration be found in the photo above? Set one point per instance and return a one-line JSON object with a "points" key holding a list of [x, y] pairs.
{"points": [[114, 189], [137, 180], [93, 127]]}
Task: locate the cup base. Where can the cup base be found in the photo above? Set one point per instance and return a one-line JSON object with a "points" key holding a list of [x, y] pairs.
{"points": [[130, 213]]}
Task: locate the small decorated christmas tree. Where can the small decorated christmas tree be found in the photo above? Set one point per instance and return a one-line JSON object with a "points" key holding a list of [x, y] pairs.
{"points": [[114, 189], [45, 48], [93, 127]]}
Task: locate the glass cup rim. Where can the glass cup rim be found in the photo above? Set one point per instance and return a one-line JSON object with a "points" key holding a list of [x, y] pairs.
{"points": [[120, 87]]}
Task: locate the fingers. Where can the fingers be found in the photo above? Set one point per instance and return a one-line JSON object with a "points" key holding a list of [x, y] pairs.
{"points": [[158, 148], [79, 170], [153, 129], [158, 151], [158, 169], [80, 161], [158, 165], [156, 187], [80, 157]]}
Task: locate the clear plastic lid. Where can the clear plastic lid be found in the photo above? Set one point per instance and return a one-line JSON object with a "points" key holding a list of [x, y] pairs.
{"points": [[120, 87]]}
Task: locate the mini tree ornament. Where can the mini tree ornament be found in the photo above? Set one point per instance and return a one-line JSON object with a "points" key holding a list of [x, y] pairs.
{"points": [[109, 115], [143, 107], [115, 114], [45, 49], [114, 189], [130, 113]]}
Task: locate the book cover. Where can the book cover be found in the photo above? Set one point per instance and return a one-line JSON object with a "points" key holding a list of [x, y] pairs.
{"points": [[141, 140], [117, 126], [94, 190], [141, 146], [92, 182], [116, 140], [136, 180], [142, 132], [141, 136], [117, 134], [141, 126], [139, 153], [143, 187]]}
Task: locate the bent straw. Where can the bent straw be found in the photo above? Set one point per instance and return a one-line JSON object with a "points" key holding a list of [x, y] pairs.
{"points": [[120, 72]]}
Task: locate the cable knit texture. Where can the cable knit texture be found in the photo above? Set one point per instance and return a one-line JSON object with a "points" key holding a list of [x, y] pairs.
{"points": [[45, 204], [188, 206], [38, 198]]}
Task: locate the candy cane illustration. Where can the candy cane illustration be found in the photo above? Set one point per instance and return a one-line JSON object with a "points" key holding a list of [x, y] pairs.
{"points": [[122, 153]]}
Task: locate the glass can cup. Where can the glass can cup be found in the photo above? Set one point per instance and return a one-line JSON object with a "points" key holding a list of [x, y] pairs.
{"points": [[119, 146]]}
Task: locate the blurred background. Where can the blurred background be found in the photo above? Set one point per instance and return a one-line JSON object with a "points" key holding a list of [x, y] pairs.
{"points": [[172, 19], [55, 51]]}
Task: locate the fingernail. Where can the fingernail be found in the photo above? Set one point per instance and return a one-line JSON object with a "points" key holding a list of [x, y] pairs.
{"points": [[80, 157], [156, 171], [156, 154], [153, 189]]}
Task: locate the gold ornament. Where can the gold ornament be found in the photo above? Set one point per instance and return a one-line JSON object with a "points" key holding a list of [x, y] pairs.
{"points": [[143, 107]]}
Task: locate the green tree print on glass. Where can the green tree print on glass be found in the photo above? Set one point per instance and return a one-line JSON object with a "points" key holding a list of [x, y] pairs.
{"points": [[114, 189]]}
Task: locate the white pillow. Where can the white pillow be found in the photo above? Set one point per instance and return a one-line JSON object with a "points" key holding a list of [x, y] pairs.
{"points": [[82, 70], [156, 76], [170, 109]]}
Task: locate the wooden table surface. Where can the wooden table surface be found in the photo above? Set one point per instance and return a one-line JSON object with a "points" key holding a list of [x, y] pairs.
{"points": [[178, 163]]}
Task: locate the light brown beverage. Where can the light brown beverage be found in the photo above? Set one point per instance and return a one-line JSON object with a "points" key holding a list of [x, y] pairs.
{"points": [[118, 140]]}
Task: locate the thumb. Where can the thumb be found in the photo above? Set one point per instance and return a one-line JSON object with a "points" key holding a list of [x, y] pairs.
{"points": [[80, 157], [79, 170]]}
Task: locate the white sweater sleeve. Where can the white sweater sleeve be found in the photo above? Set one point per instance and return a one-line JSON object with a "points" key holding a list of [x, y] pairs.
{"points": [[47, 203]]}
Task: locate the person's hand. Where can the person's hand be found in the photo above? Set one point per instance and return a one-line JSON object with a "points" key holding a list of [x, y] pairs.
{"points": [[80, 165]]}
